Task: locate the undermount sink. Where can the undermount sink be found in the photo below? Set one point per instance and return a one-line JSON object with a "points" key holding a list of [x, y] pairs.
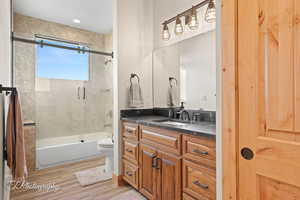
{"points": [[173, 123]]}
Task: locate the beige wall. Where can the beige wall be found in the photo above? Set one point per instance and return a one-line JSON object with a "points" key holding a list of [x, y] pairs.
{"points": [[53, 103], [135, 46]]}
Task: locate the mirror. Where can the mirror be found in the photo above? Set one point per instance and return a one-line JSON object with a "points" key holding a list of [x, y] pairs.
{"points": [[192, 64]]}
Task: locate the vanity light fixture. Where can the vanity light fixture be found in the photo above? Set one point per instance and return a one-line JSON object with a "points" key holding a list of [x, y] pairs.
{"points": [[178, 26], [166, 33], [191, 18], [210, 15]]}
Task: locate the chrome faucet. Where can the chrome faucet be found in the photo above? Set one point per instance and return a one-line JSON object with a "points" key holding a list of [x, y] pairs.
{"points": [[184, 115]]}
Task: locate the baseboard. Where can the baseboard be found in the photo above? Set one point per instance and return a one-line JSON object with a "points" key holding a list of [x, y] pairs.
{"points": [[118, 180]]}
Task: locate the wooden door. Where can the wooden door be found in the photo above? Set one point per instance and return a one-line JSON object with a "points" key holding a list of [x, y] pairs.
{"points": [[148, 174], [269, 99], [169, 177]]}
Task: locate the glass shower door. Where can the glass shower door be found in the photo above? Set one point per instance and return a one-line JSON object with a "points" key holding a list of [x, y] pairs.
{"points": [[59, 108]]}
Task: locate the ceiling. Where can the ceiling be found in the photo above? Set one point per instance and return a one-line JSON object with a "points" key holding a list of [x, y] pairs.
{"points": [[95, 15]]}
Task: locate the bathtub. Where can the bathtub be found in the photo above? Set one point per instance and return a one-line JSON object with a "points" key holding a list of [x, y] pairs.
{"points": [[61, 150]]}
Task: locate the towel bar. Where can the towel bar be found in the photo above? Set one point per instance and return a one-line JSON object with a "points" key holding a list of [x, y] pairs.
{"points": [[13, 90]]}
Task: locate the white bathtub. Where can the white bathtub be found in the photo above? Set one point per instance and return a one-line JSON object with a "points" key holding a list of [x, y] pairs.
{"points": [[60, 150]]}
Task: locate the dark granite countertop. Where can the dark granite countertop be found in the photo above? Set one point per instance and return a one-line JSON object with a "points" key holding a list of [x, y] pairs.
{"points": [[198, 128]]}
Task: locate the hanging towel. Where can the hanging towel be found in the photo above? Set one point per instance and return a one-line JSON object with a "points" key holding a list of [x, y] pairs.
{"points": [[173, 99], [15, 144], [135, 96]]}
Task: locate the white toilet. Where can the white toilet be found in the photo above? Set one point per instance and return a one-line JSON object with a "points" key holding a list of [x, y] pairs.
{"points": [[105, 146]]}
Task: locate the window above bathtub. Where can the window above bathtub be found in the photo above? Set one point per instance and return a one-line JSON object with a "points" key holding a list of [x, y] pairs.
{"points": [[59, 63]]}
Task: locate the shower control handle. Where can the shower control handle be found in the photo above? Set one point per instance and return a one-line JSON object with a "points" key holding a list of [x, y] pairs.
{"points": [[84, 96], [78, 93]]}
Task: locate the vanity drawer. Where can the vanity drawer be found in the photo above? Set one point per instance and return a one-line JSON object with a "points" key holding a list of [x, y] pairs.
{"points": [[130, 130], [187, 197], [199, 181], [131, 151], [200, 149], [131, 174], [162, 139]]}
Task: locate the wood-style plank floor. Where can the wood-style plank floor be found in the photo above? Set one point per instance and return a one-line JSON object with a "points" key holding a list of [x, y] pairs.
{"points": [[69, 187]]}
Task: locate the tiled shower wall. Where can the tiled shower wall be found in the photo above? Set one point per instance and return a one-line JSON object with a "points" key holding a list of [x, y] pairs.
{"points": [[53, 103]]}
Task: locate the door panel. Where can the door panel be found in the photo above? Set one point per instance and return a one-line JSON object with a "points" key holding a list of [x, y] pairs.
{"points": [[169, 178], [278, 28], [148, 174], [274, 190], [268, 87]]}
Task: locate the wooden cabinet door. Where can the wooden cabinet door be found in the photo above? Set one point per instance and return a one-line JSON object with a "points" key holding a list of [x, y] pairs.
{"points": [[148, 174], [169, 177], [269, 99]]}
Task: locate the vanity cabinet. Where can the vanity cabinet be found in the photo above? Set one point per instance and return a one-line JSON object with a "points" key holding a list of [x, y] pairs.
{"points": [[168, 176], [160, 174], [148, 174], [168, 165], [130, 133]]}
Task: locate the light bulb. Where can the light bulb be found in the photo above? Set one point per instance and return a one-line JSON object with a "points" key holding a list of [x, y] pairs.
{"points": [[193, 20], [178, 27], [210, 15], [165, 33]]}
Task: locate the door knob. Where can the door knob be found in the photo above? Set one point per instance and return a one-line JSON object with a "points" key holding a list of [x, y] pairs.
{"points": [[247, 153]]}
